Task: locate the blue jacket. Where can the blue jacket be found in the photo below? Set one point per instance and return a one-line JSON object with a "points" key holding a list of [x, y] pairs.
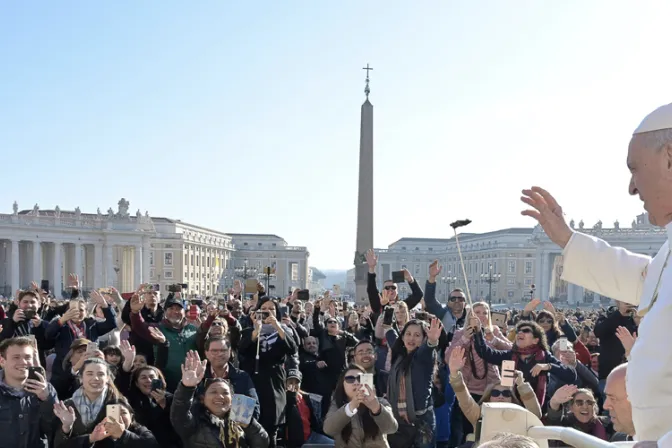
{"points": [[25, 421], [422, 372], [63, 337]]}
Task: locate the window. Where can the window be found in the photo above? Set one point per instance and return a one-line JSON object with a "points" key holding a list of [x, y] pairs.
{"points": [[208, 261], [168, 275], [512, 267], [510, 281], [198, 260], [151, 273], [510, 294], [192, 260], [528, 282], [151, 258], [186, 259], [403, 248], [294, 269], [258, 244], [417, 269], [528, 267], [168, 259]]}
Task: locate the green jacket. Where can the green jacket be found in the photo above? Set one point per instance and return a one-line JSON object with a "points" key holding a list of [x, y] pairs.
{"points": [[179, 342]]}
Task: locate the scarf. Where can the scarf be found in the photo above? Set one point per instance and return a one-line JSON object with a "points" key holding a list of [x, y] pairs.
{"points": [[78, 330], [402, 396], [593, 427], [539, 355], [230, 432], [88, 410]]}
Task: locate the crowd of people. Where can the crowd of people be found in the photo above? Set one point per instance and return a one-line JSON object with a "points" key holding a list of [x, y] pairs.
{"points": [[259, 371]]}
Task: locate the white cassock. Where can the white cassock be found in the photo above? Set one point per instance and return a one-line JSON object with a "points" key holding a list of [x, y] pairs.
{"points": [[639, 280]]}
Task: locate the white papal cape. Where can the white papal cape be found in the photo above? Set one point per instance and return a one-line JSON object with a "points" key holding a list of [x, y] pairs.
{"points": [[632, 278]]}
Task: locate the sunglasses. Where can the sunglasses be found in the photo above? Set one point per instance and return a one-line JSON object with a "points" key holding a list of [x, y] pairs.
{"points": [[501, 393], [580, 403], [331, 322], [456, 299], [525, 330], [351, 379], [391, 288]]}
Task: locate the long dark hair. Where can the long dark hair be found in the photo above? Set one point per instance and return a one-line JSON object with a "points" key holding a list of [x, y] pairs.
{"points": [[371, 430], [399, 349], [112, 391]]}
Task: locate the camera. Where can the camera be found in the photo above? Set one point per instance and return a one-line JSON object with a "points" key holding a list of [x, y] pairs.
{"points": [[263, 315], [29, 314], [177, 287]]}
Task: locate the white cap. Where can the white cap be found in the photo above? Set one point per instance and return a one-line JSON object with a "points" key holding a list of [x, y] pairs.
{"points": [[657, 120]]}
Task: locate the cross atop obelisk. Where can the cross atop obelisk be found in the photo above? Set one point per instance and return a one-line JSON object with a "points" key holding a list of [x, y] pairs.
{"points": [[364, 195], [367, 90]]}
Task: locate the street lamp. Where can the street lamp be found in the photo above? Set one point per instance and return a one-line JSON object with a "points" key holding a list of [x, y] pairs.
{"points": [[267, 275], [490, 278], [449, 281], [245, 271], [532, 288]]}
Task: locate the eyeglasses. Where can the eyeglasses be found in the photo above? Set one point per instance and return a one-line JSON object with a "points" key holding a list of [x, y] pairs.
{"points": [[391, 288], [545, 321], [351, 379], [501, 393], [525, 330], [456, 299], [580, 403]]}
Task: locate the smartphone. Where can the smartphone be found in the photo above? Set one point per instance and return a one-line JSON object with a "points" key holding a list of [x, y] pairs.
{"points": [[562, 344], [303, 295], [421, 315], [113, 411], [498, 319], [33, 371], [398, 277], [263, 315], [44, 285], [92, 347], [193, 311], [388, 315], [508, 373], [367, 379], [157, 384], [283, 311], [107, 291], [74, 304]]}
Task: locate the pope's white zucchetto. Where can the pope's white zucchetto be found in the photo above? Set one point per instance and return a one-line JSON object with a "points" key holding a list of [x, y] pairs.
{"points": [[657, 120]]}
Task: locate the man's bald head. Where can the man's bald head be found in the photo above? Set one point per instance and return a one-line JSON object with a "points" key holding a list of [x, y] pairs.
{"points": [[650, 165], [617, 402]]}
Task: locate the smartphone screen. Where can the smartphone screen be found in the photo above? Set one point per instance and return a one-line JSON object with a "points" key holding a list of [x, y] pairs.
{"points": [[74, 304], [508, 373], [562, 344], [91, 347]]}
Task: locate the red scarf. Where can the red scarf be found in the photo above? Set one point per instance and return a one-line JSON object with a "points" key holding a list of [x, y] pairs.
{"points": [[539, 356]]}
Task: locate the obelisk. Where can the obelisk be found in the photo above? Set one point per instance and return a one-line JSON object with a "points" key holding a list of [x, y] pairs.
{"points": [[365, 195]]}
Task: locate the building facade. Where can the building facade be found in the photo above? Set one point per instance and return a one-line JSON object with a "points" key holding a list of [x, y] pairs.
{"points": [[123, 250], [508, 265]]}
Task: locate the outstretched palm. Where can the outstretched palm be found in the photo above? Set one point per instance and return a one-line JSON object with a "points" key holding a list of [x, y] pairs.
{"points": [[548, 213], [193, 370]]}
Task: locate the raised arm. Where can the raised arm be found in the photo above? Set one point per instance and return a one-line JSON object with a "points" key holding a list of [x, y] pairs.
{"points": [[610, 271]]}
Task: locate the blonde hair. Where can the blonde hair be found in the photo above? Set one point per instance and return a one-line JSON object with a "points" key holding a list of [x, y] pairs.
{"points": [[470, 311]]}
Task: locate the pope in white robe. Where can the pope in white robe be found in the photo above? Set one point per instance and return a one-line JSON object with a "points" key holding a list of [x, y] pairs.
{"points": [[632, 278]]}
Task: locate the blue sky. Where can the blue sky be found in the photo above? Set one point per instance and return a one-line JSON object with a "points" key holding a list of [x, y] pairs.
{"points": [[245, 118]]}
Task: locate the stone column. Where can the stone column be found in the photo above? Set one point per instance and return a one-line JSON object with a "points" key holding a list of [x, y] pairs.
{"points": [[58, 270], [137, 266], [78, 262], [16, 266], [37, 261], [108, 264], [98, 277], [145, 260]]}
